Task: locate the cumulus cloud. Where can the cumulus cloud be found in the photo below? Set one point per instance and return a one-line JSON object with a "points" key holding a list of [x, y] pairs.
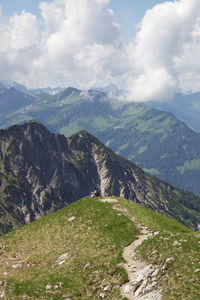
{"points": [[166, 36], [69, 45], [78, 43], [18, 46]]}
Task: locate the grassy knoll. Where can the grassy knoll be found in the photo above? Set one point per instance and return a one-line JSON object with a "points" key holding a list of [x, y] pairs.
{"points": [[180, 276], [29, 264]]}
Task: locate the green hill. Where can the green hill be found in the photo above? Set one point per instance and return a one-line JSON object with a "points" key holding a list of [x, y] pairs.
{"points": [[76, 253], [186, 107], [156, 141], [12, 100]]}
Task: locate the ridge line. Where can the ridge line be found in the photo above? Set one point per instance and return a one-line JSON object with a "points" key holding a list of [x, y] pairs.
{"points": [[142, 283]]}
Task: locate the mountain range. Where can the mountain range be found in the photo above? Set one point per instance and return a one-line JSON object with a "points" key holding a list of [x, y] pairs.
{"points": [[157, 141], [41, 172]]}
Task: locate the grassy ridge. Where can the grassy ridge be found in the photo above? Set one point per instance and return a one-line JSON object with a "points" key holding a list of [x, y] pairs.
{"points": [[180, 277], [93, 241]]}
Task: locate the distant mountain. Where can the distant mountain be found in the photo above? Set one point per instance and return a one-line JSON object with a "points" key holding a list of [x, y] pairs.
{"points": [[156, 141], [2, 88], [13, 84], [184, 106], [39, 92], [45, 91], [12, 100], [41, 172]]}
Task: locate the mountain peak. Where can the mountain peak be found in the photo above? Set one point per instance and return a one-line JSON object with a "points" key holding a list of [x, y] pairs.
{"points": [[70, 90], [42, 172]]}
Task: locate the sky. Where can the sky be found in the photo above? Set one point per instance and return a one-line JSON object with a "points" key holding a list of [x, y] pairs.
{"points": [[127, 12], [149, 48]]}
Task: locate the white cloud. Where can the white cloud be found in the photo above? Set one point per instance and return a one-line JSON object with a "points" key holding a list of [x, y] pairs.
{"points": [[70, 45], [1, 13], [77, 43], [158, 52], [18, 47]]}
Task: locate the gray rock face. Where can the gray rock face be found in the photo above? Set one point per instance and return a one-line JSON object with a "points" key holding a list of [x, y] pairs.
{"points": [[41, 172]]}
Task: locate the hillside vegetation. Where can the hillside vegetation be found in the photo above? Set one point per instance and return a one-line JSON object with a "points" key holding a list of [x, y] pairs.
{"points": [[75, 254], [186, 107]]}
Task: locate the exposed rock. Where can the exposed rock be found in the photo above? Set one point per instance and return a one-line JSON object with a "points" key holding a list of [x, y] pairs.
{"points": [[88, 265], [71, 219], [95, 280], [149, 287], [62, 257], [48, 287], [61, 262], [155, 273], [2, 249], [176, 243], [197, 270], [167, 262], [156, 232], [127, 289], [106, 288], [141, 289], [16, 266], [102, 295]]}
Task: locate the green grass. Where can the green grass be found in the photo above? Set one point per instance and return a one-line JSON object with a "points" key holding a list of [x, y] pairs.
{"points": [[189, 165], [93, 241], [151, 171], [179, 279]]}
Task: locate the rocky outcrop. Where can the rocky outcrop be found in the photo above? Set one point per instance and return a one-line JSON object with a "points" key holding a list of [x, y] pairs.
{"points": [[41, 172]]}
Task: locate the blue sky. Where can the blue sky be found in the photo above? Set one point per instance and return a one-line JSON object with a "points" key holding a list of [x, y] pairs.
{"points": [[128, 13], [80, 43]]}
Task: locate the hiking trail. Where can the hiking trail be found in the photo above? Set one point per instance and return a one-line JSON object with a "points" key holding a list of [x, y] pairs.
{"points": [[142, 282]]}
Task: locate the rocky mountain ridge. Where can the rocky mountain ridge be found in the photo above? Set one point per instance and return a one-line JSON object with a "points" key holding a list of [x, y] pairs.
{"points": [[41, 172], [156, 141]]}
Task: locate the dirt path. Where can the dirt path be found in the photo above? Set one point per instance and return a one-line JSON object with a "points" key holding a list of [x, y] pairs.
{"points": [[142, 282]]}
